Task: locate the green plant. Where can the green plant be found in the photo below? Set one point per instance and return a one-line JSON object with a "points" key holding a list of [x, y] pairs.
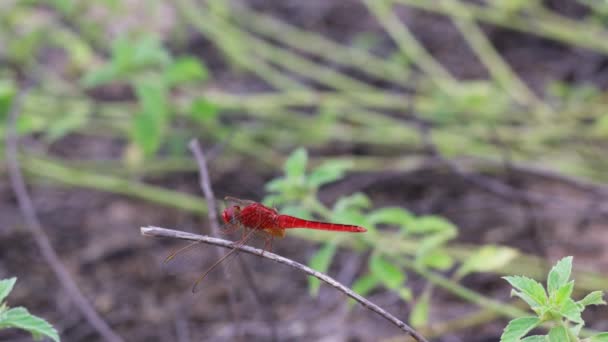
{"points": [[296, 194], [20, 318], [554, 306]]}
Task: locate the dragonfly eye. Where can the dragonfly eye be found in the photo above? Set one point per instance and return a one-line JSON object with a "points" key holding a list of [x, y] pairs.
{"points": [[229, 214]]}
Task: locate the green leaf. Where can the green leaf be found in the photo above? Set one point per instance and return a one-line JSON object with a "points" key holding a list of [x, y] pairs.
{"points": [[152, 97], [593, 298], [6, 286], [146, 133], [390, 274], [563, 293], [295, 165], [431, 224], [185, 69], [148, 50], [405, 293], [559, 274], [364, 285], [558, 334], [487, 259], [355, 201], [7, 91], [530, 288], [601, 337], [420, 313], [327, 172], [67, 123], [437, 259], [571, 311], [535, 338], [20, 318], [576, 329], [431, 244], [391, 215], [518, 328], [320, 261], [102, 75], [149, 125], [203, 111]]}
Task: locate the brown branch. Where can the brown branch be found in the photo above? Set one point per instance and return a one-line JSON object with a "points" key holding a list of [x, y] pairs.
{"points": [[176, 234], [35, 227], [205, 183]]}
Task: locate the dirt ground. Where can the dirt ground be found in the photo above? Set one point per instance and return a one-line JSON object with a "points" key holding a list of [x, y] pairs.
{"points": [[97, 234]]}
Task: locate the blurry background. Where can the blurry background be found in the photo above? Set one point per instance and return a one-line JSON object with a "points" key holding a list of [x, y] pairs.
{"points": [[483, 125]]}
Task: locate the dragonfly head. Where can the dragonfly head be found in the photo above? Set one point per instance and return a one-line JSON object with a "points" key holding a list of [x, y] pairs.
{"points": [[231, 213]]}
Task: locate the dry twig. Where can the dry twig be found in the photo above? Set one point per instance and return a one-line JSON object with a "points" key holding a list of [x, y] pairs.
{"points": [[205, 184], [176, 234], [42, 240]]}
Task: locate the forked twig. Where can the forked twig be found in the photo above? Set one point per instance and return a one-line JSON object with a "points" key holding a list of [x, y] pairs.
{"points": [[176, 234], [35, 227], [205, 183]]}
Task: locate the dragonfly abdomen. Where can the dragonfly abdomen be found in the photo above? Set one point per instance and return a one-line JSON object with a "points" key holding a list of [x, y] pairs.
{"points": [[287, 222]]}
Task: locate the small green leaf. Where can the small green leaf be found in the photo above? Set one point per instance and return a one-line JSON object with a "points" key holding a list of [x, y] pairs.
{"points": [[405, 293], [518, 328], [185, 69], [558, 334], [100, 76], [391, 215], [365, 284], [320, 261], [6, 286], [146, 132], [535, 338], [601, 337], [593, 298], [390, 274], [420, 313], [152, 97], [559, 274], [66, 123], [327, 172], [20, 318], [576, 329], [355, 201], [487, 259], [431, 224], [571, 311], [203, 111], [529, 287], [295, 165], [563, 293], [437, 259]]}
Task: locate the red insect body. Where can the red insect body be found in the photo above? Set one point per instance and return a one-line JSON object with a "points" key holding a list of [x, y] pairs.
{"points": [[260, 217]]}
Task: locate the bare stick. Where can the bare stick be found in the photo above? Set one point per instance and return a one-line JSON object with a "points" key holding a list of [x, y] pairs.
{"points": [[205, 183], [40, 237], [176, 234]]}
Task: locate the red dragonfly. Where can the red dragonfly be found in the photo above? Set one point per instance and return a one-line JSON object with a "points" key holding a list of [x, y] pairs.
{"points": [[254, 217]]}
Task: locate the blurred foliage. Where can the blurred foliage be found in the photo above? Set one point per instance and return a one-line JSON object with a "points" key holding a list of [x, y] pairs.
{"points": [[20, 318], [103, 69]]}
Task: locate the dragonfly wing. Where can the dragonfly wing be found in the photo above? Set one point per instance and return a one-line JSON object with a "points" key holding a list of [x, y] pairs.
{"points": [[238, 201]]}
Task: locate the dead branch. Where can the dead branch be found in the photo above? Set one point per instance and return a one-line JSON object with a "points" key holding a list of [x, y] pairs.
{"points": [[205, 184], [35, 227], [176, 234]]}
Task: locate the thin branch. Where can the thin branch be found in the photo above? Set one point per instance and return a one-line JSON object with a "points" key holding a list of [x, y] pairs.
{"points": [[176, 234], [42, 240], [205, 184]]}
